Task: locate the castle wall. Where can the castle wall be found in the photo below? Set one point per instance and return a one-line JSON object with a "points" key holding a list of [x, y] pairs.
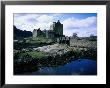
{"points": [[83, 43], [34, 33], [63, 40], [58, 29]]}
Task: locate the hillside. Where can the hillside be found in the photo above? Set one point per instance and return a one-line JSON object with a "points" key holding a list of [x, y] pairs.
{"points": [[21, 34]]}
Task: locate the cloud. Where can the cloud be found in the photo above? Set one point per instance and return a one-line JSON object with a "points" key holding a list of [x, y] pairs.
{"points": [[45, 18], [84, 27], [24, 21], [81, 32], [32, 21], [79, 23]]}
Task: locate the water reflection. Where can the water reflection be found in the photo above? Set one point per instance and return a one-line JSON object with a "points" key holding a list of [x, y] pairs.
{"points": [[78, 67]]}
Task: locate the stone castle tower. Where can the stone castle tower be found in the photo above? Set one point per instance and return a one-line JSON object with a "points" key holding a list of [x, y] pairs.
{"points": [[57, 28], [55, 31], [35, 33]]}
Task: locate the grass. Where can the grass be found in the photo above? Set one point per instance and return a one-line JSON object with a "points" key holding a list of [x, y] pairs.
{"points": [[33, 54], [36, 54], [32, 42], [39, 40]]}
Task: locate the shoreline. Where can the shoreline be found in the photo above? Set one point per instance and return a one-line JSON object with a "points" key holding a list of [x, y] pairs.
{"points": [[50, 61], [55, 55], [40, 67]]}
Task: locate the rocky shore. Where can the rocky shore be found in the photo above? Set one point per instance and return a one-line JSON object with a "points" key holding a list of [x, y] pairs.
{"points": [[50, 56]]}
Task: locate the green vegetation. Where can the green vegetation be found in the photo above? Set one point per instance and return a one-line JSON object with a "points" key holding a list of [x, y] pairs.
{"points": [[39, 40], [28, 61], [33, 54], [32, 42], [28, 57]]}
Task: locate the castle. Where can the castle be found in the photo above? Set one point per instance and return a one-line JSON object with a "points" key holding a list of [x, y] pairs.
{"points": [[55, 31]]}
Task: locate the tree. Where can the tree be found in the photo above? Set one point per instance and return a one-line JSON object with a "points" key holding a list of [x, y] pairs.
{"points": [[93, 37], [74, 35]]}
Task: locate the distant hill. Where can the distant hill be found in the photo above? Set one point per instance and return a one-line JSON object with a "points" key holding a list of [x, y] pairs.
{"points": [[21, 34]]}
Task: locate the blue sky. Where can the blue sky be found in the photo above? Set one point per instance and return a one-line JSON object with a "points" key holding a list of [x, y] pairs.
{"points": [[83, 24]]}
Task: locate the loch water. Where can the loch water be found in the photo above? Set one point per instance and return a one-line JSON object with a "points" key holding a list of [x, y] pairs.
{"points": [[77, 67]]}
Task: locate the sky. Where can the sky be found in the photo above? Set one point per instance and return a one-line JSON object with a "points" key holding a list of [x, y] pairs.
{"points": [[84, 24]]}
